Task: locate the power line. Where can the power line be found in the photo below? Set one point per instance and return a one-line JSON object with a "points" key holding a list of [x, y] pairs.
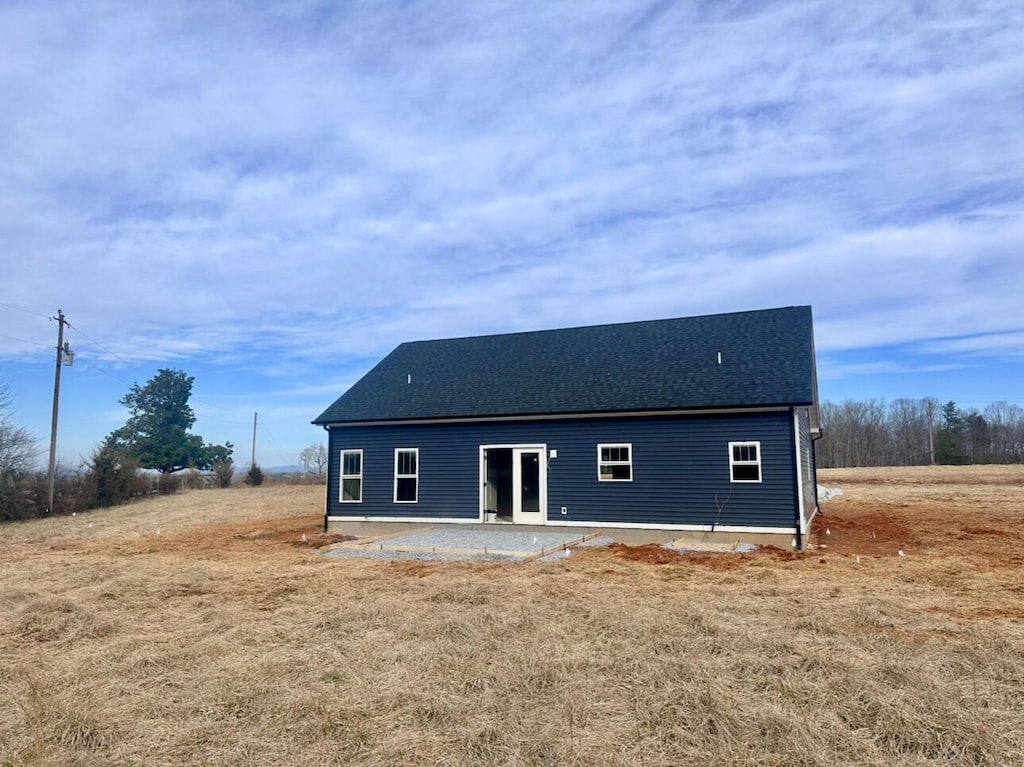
{"points": [[219, 420], [220, 407], [106, 373], [104, 348], [136, 364], [27, 311], [26, 341], [273, 442]]}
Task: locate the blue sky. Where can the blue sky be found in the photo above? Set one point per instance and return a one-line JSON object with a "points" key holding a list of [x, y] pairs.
{"points": [[272, 196]]}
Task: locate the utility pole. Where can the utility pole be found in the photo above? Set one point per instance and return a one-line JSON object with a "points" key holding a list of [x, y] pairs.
{"points": [[64, 357], [930, 405], [252, 461]]}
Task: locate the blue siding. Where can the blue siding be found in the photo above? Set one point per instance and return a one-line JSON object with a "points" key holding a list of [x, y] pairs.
{"points": [[680, 469]]}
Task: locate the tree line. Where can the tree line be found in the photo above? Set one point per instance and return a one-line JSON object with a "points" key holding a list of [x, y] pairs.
{"points": [[157, 437], [918, 432]]}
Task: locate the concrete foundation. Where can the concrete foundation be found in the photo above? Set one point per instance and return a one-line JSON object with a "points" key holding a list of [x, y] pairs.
{"points": [[630, 536]]}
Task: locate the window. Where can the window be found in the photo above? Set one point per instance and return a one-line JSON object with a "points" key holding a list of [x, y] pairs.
{"points": [[351, 476], [615, 463], [745, 461], [407, 474]]}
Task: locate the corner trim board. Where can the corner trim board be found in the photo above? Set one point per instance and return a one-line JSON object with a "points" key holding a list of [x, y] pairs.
{"points": [[800, 511]]}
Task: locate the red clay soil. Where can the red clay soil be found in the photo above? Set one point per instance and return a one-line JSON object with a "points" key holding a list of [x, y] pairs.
{"points": [[872, 533], [263, 535], [783, 555], [651, 553], [722, 562]]}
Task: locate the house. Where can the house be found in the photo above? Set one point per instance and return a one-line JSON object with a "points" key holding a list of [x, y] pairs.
{"points": [[700, 424]]}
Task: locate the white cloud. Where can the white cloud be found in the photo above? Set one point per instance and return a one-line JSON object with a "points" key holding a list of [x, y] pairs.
{"points": [[829, 369], [1004, 345], [272, 187]]}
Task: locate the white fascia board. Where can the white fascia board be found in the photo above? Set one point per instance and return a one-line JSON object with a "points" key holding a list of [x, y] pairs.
{"points": [[563, 416]]}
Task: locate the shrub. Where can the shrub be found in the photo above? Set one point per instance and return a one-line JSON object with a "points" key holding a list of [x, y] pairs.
{"points": [[194, 479], [224, 471], [13, 500], [168, 484], [254, 478], [111, 478]]}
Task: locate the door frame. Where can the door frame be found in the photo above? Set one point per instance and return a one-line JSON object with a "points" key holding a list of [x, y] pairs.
{"points": [[541, 448]]}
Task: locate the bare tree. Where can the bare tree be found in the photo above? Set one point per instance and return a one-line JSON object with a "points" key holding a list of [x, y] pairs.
{"points": [[314, 460], [910, 432], [18, 447], [910, 426], [1006, 425], [856, 434]]}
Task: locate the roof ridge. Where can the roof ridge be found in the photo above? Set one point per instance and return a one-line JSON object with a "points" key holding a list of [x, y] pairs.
{"points": [[607, 325]]}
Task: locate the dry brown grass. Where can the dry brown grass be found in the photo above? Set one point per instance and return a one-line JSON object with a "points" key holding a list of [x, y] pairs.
{"points": [[198, 629]]}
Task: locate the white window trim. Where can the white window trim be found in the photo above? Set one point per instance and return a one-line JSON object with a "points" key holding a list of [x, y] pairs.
{"points": [[733, 462], [601, 463], [343, 476], [415, 476]]}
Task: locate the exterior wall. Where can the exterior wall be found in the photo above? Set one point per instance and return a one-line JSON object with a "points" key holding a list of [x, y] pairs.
{"points": [[680, 470], [808, 474]]}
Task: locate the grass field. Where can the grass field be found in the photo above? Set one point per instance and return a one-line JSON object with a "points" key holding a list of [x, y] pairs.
{"points": [[200, 629]]}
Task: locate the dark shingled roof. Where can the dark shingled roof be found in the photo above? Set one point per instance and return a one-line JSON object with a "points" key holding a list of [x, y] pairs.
{"points": [[767, 359]]}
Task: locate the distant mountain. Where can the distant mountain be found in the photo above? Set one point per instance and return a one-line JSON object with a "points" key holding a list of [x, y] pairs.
{"points": [[289, 469]]}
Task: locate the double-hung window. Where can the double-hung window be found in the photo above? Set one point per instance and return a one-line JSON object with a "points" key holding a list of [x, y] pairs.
{"points": [[745, 461], [407, 477], [615, 462], [351, 476]]}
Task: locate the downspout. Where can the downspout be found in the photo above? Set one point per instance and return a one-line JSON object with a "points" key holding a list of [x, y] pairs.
{"points": [[327, 485], [815, 436], [814, 466], [798, 491]]}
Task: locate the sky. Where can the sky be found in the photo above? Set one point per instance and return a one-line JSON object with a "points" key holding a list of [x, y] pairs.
{"points": [[272, 196]]}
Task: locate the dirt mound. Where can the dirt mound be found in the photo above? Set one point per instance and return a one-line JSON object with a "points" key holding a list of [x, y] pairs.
{"points": [[651, 553], [783, 555]]}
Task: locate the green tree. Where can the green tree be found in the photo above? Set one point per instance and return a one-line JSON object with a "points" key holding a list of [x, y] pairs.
{"points": [[254, 477], [157, 432], [977, 438], [949, 443], [221, 462]]}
